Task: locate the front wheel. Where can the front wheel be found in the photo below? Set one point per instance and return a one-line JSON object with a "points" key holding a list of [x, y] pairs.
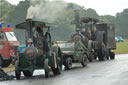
{"points": [[17, 71], [68, 63], [84, 60]]}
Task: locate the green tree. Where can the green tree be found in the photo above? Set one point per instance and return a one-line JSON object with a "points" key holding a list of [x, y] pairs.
{"points": [[91, 13], [5, 9], [61, 28], [108, 19], [122, 23], [18, 15]]}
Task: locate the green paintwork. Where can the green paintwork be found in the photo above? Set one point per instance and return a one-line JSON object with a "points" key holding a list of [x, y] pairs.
{"points": [[77, 53], [41, 51], [25, 65]]}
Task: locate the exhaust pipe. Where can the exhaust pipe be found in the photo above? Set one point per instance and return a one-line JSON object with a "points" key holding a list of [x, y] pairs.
{"points": [[77, 19], [29, 29]]}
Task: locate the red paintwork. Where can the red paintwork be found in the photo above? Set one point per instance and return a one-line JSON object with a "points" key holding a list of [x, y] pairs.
{"points": [[30, 52], [6, 29], [7, 49]]}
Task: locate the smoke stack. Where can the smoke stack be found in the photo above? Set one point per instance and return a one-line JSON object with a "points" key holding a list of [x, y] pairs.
{"points": [[29, 29], [28, 20], [77, 18]]}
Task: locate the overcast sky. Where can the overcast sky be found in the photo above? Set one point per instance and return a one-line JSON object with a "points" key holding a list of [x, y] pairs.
{"points": [[103, 7]]}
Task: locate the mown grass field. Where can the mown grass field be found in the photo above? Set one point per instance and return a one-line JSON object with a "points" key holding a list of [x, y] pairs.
{"points": [[122, 47]]}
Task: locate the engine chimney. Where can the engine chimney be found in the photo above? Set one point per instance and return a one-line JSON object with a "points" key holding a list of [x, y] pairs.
{"points": [[29, 28], [77, 18]]}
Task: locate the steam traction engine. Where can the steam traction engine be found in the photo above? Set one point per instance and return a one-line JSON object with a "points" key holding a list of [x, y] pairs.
{"points": [[99, 37], [39, 52]]}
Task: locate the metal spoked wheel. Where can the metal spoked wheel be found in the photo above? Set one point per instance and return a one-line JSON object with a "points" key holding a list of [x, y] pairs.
{"points": [[17, 71]]}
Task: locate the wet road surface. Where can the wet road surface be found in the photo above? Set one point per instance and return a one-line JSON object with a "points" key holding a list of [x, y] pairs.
{"points": [[113, 72]]}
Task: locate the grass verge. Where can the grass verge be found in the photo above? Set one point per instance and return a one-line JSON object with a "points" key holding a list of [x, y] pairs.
{"points": [[121, 47], [8, 69]]}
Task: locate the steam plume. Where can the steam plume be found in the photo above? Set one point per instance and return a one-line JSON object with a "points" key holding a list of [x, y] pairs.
{"points": [[45, 10]]}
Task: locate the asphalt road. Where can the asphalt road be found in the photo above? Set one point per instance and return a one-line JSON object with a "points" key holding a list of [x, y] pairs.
{"points": [[113, 72]]}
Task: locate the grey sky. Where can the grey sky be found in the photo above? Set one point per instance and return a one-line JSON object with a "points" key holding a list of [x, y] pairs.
{"points": [[102, 7]]}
